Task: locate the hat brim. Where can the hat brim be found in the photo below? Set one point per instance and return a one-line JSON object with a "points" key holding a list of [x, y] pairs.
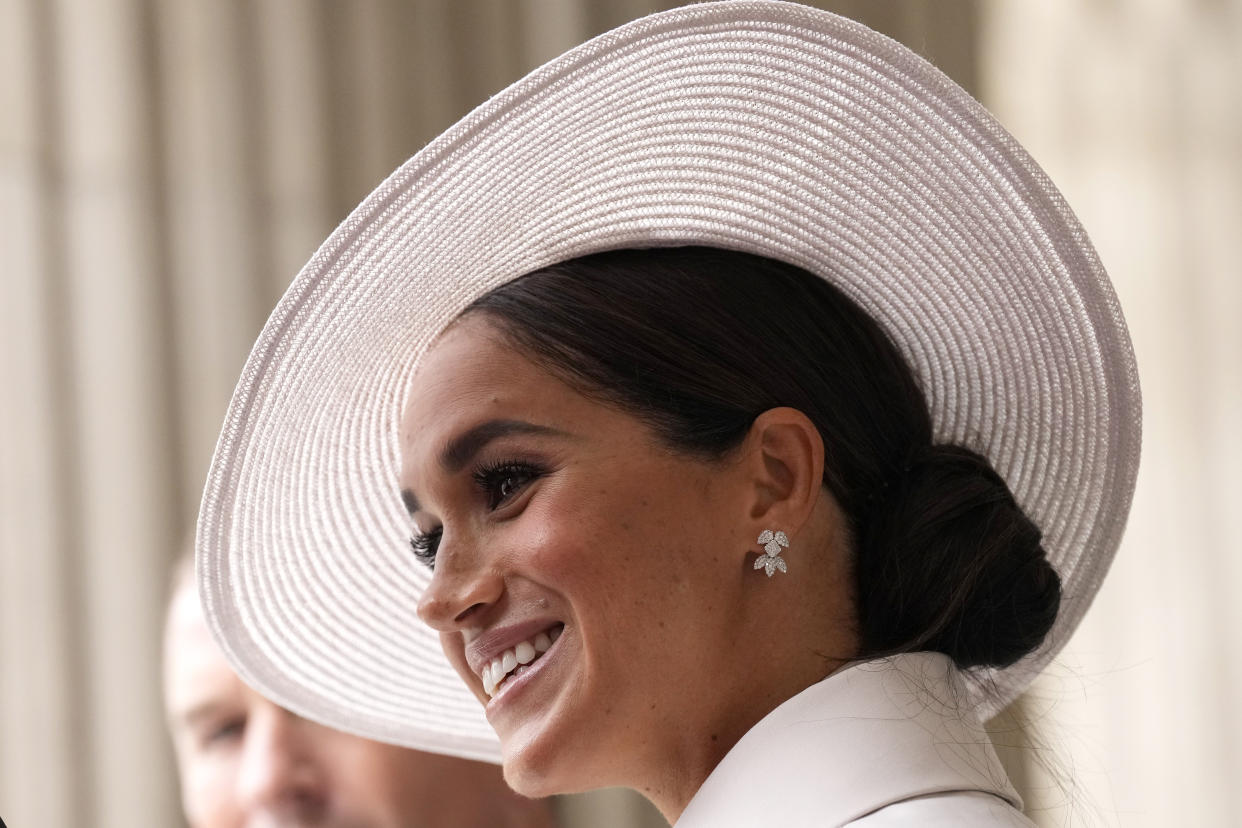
{"points": [[766, 127]]}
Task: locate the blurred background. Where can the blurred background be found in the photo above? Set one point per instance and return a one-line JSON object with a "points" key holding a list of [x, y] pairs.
{"points": [[166, 166]]}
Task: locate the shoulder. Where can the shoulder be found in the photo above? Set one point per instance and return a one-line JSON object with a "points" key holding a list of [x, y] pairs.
{"points": [[956, 809]]}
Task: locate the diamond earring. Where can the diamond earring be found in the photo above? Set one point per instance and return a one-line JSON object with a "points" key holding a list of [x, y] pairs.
{"points": [[771, 559]]}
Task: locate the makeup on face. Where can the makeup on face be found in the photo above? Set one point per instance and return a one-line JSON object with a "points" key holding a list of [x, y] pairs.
{"points": [[568, 545]]}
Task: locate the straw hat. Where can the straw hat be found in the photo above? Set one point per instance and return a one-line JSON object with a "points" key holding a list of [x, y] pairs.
{"points": [[759, 126]]}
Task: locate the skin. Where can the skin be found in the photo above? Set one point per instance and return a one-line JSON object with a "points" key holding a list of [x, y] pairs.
{"points": [[244, 761], [673, 646]]}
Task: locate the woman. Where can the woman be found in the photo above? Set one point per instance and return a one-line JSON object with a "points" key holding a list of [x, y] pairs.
{"points": [[763, 410]]}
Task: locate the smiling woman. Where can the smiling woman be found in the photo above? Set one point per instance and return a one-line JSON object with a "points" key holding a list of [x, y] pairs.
{"points": [[617, 462], [598, 537], [762, 418]]}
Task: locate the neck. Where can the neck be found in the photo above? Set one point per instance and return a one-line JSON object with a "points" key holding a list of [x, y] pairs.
{"points": [[691, 751], [781, 636], [700, 755]]}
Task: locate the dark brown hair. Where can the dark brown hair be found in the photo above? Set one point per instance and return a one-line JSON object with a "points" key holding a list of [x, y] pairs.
{"points": [[698, 342]]}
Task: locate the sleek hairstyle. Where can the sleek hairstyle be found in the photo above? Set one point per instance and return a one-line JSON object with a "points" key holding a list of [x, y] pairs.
{"points": [[698, 342]]}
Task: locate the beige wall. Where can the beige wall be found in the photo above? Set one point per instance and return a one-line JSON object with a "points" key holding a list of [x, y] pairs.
{"points": [[1135, 110]]}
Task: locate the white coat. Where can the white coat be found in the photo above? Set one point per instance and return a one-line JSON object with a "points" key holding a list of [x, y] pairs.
{"points": [[883, 743]]}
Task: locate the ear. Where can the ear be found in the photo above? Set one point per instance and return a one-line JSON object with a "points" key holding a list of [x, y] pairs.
{"points": [[784, 460]]}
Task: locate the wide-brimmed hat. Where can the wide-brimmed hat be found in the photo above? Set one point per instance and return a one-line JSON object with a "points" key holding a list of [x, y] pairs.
{"points": [[765, 127]]}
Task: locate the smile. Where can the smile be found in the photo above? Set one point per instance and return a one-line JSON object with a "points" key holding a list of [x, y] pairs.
{"points": [[515, 660]]}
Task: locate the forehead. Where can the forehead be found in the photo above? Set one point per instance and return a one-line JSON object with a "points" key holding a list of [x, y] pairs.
{"points": [[194, 666], [470, 357], [472, 373]]}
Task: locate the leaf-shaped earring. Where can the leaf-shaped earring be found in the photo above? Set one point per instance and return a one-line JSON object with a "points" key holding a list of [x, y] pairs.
{"points": [[771, 559]]}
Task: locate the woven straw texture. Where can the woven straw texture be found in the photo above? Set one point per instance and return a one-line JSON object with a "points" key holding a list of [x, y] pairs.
{"points": [[760, 126]]}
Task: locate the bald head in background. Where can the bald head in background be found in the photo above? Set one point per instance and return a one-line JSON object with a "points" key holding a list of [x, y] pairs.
{"points": [[244, 761]]}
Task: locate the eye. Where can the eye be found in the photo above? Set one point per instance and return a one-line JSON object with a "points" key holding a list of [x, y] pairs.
{"points": [[502, 481], [425, 546], [227, 731]]}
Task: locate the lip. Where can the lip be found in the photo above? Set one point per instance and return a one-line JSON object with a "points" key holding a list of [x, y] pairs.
{"points": [[480, 651], [511, 690]]}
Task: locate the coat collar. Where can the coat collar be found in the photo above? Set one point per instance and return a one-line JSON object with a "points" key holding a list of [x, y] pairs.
{"points": [[869, 735]]}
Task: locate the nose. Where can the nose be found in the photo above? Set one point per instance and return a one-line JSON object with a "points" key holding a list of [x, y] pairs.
{"points": [[280, 772], [463, 585]]}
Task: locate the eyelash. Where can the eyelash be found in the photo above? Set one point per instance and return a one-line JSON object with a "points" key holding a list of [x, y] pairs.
{"points": [[490, 478], [425, 545]]}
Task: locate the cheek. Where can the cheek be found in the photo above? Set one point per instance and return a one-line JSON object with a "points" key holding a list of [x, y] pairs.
{"points": [[672, 551], [209, 791], [611, 545], [571, 535], [634, 538], [455, 650], [552, 536]]}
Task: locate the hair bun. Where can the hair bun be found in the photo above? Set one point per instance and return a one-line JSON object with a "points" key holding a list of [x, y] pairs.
{"points": [[948, 561]]}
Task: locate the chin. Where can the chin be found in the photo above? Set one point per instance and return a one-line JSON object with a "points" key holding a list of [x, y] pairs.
{"points": [[536, 771], [529, 782]]}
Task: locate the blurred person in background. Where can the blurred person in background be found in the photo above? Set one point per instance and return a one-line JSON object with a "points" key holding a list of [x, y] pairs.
{"points": [[244, 761]]}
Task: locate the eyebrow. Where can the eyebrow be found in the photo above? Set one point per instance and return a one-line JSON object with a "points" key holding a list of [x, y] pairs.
{"points": [[459, 451]]}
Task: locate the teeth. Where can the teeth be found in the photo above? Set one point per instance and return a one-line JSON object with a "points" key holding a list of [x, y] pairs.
{"points": [[489, 686], [496, 672]]}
